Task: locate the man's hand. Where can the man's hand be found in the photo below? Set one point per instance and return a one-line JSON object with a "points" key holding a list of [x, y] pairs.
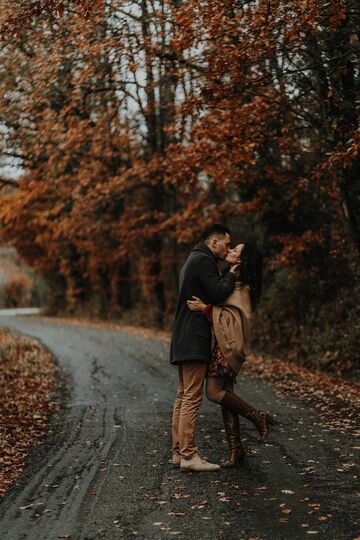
{"points": [[195, 304]]}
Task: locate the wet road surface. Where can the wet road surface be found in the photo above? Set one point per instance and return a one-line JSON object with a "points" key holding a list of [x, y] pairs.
{"points": [[103, 472]]}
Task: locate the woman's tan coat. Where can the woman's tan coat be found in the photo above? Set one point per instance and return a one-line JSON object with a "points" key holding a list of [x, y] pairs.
{"points": [[231, 323]]}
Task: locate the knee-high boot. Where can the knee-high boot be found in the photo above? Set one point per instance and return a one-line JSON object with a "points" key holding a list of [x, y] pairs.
{"points": [[232, 431], [261, 419]]}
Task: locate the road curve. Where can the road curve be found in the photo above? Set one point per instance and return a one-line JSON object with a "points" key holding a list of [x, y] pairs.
{"points": [[103, 472]]}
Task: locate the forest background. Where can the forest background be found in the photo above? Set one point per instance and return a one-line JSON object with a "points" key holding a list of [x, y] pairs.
{"points": [[133, 125]]}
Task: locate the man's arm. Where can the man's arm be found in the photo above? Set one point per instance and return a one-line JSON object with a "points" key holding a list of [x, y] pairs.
{"points": [[217, 288]]}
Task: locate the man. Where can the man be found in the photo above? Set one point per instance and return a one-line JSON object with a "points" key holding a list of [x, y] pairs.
{"points": [[191, 340]]}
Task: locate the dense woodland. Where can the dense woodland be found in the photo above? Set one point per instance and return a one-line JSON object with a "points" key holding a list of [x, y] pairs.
{"points": [[138, 123]]}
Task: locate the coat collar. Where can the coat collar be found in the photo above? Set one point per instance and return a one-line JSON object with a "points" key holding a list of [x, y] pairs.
{"points": [[201, 246]]}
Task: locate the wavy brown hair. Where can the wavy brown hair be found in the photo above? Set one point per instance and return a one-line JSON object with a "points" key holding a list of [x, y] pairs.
{"points": [[249, 272]]}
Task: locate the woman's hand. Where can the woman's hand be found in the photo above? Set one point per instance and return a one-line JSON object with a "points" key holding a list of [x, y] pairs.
{"points": [[195, 304], [233, 268]]}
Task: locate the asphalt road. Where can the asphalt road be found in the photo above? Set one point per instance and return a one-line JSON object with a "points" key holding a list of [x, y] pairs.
{"points": [[103, 472]]}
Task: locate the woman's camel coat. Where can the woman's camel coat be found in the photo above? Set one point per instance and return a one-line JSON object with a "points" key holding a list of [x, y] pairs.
{"points": [[231, 323]]}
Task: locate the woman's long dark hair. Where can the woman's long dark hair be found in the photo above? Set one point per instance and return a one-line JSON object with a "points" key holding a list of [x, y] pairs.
{"points": [[249, 271]]}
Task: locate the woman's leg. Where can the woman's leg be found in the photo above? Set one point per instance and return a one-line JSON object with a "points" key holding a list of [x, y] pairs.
{"points": [[215, 388], [261, 419], [217, 391], [232, 431]]}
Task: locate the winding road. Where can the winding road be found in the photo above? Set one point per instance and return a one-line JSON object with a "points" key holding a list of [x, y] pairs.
{"points": [[103, 471]]}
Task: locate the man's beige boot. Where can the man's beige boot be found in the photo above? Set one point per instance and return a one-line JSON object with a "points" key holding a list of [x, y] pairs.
{"points": [[197, 464]]}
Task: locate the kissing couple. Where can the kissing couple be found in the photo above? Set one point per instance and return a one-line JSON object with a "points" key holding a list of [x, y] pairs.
{"points": [[210, 340]]}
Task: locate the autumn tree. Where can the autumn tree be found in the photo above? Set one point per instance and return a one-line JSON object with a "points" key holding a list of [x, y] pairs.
{"points": [[137, 123], [93, 136]]}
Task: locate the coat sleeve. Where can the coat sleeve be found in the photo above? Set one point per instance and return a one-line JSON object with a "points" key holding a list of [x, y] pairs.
{"points": [[217, 288], [208, 313]]}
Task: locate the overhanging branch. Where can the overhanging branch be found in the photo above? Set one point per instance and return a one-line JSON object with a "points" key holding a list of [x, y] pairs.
{"points": [[8, 182]]}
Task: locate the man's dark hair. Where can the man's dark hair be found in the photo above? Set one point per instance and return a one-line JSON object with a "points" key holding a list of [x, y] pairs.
{"points": [[214, 230]]}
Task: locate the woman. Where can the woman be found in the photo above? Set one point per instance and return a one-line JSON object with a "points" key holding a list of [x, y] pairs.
{"points": [[231, 326]]}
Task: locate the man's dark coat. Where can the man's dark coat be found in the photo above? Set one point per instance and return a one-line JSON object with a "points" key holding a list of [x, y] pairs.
{"points": [[191, 338]]}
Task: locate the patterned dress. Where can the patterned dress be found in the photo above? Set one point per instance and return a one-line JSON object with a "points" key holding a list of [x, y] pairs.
{"points": [[219, 366]]}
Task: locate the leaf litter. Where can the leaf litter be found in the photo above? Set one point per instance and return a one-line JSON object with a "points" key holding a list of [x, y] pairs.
{"points": [[27, 381]]}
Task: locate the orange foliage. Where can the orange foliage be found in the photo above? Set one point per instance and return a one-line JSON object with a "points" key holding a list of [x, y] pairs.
{"points": [[134, 136]]}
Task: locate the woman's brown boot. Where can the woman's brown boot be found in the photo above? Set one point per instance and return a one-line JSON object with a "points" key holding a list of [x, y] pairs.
{"points": [[232, 430], [261, 419]]}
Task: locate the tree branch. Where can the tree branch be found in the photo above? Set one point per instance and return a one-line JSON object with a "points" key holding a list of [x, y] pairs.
{"points": [[8, 182]]}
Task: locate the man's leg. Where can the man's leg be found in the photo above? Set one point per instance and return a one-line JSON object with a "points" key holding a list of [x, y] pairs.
{"points": [[176, 413], [194, 373]]}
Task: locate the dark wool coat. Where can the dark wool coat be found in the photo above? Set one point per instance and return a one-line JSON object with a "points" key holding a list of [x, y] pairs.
{"points": [[191, 338]]}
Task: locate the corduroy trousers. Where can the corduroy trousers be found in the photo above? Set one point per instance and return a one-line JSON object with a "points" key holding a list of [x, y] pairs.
{"points": [[192, 375]]}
